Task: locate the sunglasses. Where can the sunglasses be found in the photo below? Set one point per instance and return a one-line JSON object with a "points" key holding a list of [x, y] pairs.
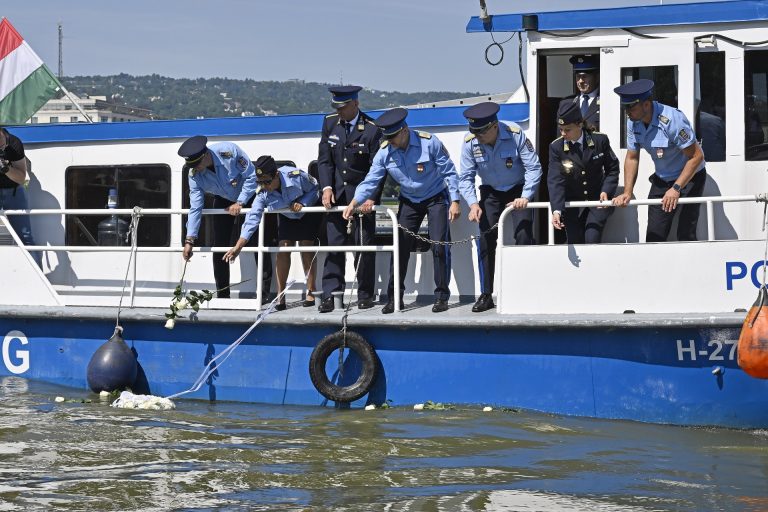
{"points": [[266, 181], [483, 130]]}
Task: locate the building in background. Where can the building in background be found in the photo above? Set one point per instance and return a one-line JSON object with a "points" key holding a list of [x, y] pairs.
{"points": [[97, 107]]}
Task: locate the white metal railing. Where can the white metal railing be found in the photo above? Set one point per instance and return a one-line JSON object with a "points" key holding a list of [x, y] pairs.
{"points": [[260, 248]]}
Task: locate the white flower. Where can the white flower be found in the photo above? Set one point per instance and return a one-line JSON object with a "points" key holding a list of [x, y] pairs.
{"points": [[487, 409], [170, 324], [58, 399], [182, 304], [418, 407], [370, 407]]}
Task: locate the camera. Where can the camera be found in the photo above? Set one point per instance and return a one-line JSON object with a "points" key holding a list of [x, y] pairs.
{"points": [[4, 163]]}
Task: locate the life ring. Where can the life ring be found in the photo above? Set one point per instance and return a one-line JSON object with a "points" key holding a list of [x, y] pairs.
{"points": [[317, 361]]}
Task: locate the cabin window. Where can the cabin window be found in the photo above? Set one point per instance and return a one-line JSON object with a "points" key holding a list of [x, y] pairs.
{"points": [[664, 91], [710, 106], [756, 104], [147, 186]]}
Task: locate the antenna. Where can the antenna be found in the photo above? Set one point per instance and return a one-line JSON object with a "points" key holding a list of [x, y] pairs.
{"points": [[61, 51]]}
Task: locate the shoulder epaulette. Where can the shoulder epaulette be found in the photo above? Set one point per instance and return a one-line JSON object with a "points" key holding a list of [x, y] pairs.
{"points": [[598, 133], [664, 119], [331, 115], [383, 144], [512, 129], [557, 139], [295, 172], [424, 135], [469, 137], [370, 122], [225, 154]]}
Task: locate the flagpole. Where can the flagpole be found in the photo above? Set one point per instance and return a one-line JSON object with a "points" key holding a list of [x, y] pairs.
{"points": [[74, 101]]}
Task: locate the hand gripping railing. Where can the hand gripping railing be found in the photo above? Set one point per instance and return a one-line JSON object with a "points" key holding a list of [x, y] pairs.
{"points": [[261, 249]]}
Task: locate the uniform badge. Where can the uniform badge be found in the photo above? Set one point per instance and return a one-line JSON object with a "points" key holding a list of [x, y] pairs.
{"points": [[233, 183], [567, 166], [659, 153], [528, 144], [420, 167], [360, 127], [334, 137], [509, 163], [226, 154], [242, 162], [684, 135]]}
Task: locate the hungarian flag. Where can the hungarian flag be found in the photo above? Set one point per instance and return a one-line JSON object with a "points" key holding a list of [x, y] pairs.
{"points": [[25, 82]]}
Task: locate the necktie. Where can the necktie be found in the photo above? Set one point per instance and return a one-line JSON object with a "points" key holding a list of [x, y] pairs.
{"points": [[577, 148], [347, 127], [584, 105]]}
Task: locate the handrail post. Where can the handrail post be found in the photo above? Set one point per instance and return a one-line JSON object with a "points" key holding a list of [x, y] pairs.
{"points": [[260, 263], [710, 220], [395, 259], [550, 227]]}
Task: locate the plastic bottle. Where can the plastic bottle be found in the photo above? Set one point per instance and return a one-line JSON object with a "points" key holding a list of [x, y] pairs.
{"points": [[112, 231]]}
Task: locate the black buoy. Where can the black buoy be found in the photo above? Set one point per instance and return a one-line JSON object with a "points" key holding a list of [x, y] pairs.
{"points": [[113, 365]]}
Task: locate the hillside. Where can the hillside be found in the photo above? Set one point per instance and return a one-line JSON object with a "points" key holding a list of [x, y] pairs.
{"points": [[183, 98]]}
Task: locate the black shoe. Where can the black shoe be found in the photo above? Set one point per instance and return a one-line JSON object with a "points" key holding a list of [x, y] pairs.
{"points": [[440, 306], [484, 303], [326, 306], [389, 308], [366, 304], [280, 306], [308, 303]]}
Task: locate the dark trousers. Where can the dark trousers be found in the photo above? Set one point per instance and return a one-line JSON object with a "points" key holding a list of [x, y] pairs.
{"points": [[335, 262], [16, 199], [660, 222], [493, 202], [585, 225], [410, 215], [226, 231]]}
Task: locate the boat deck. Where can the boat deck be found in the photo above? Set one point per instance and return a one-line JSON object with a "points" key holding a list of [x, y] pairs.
{"points": [[414, 315]]}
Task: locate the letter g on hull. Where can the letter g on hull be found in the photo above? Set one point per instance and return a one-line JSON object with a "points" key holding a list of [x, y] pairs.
{"points": [[20, 362]]}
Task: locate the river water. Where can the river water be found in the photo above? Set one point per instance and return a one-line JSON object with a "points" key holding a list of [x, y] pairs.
{"points": [[231, 456]]}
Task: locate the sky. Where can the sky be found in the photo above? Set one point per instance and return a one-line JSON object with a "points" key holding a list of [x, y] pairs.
{"points": [[395, 45]]}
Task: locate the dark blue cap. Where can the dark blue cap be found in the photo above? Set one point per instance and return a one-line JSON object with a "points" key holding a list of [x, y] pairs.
{"points": [[569, 113], [343, 94], [584, 63], [481, 115], [265, 166], [193, 149], [392, 121], [634, 92]]}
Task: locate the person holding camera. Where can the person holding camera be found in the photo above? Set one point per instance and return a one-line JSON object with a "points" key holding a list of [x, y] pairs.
{"points": [[13, 194]]}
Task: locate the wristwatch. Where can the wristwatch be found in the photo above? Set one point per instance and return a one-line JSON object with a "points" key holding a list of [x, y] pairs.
{"points": [[676, 188]]}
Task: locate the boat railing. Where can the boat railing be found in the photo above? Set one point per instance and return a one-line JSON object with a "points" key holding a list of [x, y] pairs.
{"points": [[261, 249]]}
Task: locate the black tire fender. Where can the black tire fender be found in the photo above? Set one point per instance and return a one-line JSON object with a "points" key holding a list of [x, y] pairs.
{"points": [[322, 351]]}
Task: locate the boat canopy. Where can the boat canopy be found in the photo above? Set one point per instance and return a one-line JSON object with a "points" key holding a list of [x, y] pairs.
{"points": [[625, 17]]}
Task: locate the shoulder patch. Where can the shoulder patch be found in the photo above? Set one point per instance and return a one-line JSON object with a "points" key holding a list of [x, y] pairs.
{"points": [[295, 172], [383, 144], [512, 129], [469, 137], [664, 119], [424, 135], [684, 135], [331, 115], [225, 154], [242, 162], [528, 144]]}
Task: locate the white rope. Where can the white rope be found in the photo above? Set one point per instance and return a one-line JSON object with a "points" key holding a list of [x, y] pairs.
{"points": [[133, 232]]}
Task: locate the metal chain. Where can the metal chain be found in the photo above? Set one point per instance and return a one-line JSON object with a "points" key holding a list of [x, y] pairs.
{"points": [[440, 242]]}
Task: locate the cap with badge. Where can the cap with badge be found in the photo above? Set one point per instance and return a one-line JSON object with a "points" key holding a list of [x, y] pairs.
{"points": [[342, 94], [569, 113], [584, 63], [392, 121], [266, 168], [634, 92], [481, 115], [192, 150]]}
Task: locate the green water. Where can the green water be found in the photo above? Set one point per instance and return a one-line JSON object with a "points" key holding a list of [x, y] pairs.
{"points": [[228, 456]]}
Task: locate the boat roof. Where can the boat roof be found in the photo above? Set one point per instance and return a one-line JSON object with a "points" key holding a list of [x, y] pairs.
{"points": [[235, 126], [730, 11]]}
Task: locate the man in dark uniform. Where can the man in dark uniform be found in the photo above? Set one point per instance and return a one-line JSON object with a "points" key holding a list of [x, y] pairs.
{"points": [[586, 73], [428, 182], [582, 167], [666, 134], [224, 170], [348, 144], [13, 194]]}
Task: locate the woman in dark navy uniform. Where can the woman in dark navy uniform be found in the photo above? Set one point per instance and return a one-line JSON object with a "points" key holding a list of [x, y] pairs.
{"points": [[582, 167]]}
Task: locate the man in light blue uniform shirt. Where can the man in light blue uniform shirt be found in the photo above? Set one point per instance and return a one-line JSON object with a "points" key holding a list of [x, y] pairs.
{"points": [[428, 187], [510, 172], [666, 134], [224, 170], [286, 187]]}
